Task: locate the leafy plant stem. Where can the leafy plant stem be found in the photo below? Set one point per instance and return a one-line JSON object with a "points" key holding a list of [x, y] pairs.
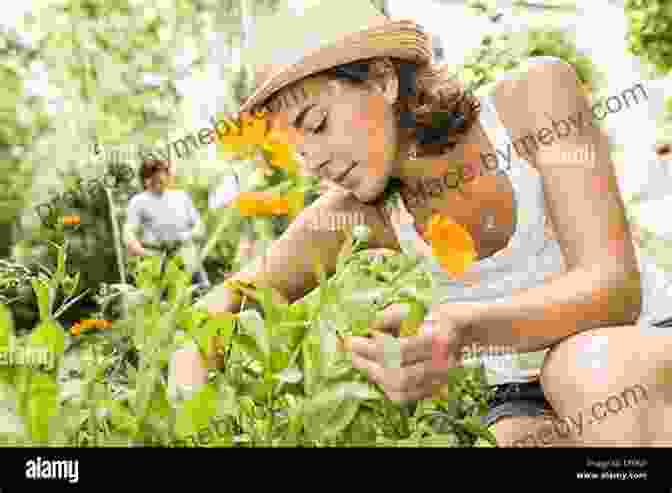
{"points": [[117, 247]]}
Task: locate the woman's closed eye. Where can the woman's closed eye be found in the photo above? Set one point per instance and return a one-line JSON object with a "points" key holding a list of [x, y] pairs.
{"points": [[317, 122], [321, 126]]}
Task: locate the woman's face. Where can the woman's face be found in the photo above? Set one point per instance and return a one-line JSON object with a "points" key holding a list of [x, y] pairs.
{"points": [[347, 133]]}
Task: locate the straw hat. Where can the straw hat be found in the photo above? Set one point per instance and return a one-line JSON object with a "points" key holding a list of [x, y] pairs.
{"points": [[291, 45]]}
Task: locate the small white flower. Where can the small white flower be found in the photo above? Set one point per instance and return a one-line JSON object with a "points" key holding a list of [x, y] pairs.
{"points": [[361, 232]]}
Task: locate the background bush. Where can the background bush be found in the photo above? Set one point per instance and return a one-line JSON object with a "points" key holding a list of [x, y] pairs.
{"points": [[650, 32]]}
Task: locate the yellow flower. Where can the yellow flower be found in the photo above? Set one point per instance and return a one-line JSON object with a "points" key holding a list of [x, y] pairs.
{"points": [[249, 134], [262, 204], [244, 136], [254, 128], [280, 153], [451, 244]]}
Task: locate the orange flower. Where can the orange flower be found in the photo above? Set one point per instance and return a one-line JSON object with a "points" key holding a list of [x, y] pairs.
{"points": [[451, 244], [252, 133], [245, 135], [93, 323], [262, 204], [280, 153], [70, 220]]}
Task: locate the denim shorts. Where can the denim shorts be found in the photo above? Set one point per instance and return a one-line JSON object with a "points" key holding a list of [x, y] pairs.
{"points": [[517, 399]]}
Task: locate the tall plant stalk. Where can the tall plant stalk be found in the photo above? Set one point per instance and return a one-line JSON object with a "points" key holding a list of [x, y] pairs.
{"points": [[117, 247]]}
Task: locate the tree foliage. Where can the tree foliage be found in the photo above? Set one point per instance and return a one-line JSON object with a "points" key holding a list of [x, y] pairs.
{"points": [[650, 32]]}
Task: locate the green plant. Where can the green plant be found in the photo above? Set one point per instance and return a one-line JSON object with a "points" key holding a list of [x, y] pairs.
{"points": [[543, 42], [500, 53], [92, 246], [649, 32], [284, 380]]}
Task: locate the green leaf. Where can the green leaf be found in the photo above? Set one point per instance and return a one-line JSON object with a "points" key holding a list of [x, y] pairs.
{"points": [[60, 273], [312, 362], [273, 311], [330, 355], [330, 411], [249, 347], [159, 404], [416, 315], [42, 293], [473, 425], [50, 335], [70, 284], [6, 326], [297, 312], [253, 325], [205, 334], [42, 406], [227, 404], [121, 417], [290, 375], [191, 317], [196, 413], [391, 351], [440, 440], [224, 326], [279, 360]]}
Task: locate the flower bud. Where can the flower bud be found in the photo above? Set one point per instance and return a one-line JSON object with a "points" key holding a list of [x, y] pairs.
{"points": [[361, 232]]}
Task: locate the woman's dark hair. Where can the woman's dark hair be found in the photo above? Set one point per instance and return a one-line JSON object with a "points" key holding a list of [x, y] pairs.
{"points": [[149, 168], [432, 106]]}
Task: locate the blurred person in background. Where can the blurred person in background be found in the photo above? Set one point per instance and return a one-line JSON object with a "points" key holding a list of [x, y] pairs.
{"points": [[164, 215], [664, 153]]}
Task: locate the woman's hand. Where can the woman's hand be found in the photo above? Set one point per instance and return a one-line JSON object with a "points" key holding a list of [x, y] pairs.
{"points": [[425, 358], [389, 320]]}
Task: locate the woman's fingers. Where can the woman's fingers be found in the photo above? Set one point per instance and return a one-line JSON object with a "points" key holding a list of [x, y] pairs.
{"points": [[413, 349], [404, 384], [416, 349], [372, 369], [362, 347]]}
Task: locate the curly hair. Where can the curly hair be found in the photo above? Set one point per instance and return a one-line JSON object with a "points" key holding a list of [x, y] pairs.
{"points": [[149, 168], [433, 106]]}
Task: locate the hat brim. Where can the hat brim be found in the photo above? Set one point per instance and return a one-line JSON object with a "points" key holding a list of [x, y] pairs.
{"points": [[404, 40]]}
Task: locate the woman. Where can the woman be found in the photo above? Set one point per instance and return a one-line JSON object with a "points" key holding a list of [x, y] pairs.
{"points": [[557, 276], [165, 215]]}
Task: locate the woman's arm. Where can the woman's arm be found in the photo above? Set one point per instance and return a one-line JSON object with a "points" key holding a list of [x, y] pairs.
{"points": [[601, 286], [289, 265]]}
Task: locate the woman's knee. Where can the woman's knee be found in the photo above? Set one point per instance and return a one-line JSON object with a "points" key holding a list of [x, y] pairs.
{"points": [[531, 431], [605, 372]]}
